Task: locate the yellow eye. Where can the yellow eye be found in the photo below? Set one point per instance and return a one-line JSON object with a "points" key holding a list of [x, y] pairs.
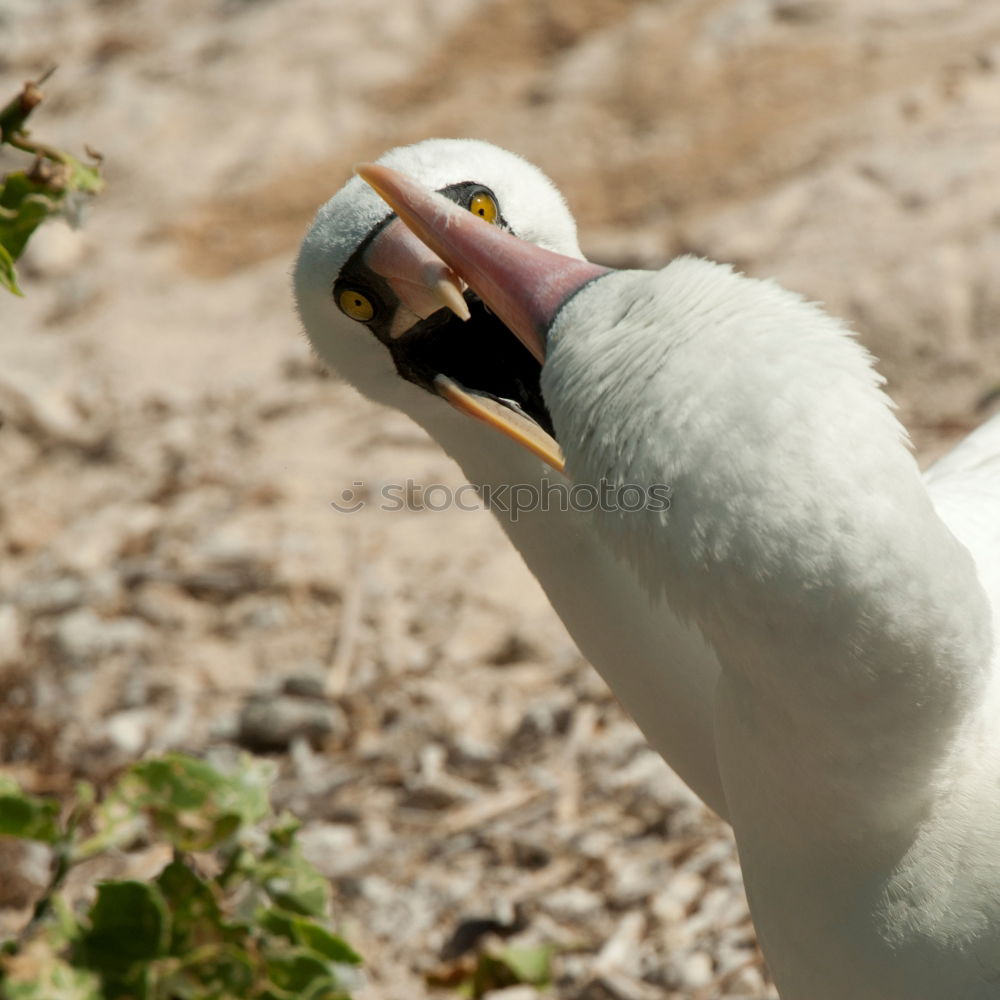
{"points": [[484, 205], [356, 305]]}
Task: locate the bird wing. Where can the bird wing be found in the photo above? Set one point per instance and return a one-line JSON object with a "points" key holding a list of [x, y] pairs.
{"points": [[965, 488]]}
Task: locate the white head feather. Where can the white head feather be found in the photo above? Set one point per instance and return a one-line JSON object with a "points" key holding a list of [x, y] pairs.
{"points": [[530, 202]]}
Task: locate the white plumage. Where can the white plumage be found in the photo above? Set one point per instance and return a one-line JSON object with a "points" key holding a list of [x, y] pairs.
{"points": [[853, 604], [659, 668], [857, 717]]}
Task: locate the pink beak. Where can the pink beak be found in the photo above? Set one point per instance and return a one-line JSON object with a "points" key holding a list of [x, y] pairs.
{"points": [[421, 280], [519, 281]]}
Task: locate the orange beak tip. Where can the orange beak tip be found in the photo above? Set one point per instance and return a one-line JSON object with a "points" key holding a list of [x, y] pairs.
{"points": [[368, 172]]}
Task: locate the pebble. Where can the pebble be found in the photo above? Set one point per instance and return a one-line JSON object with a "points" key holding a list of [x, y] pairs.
{"points": [[680, 890], [55, 250], [572, 901], [622, 952], [271, 722], [695, 971], [82, 636], [51, 597], [307, 684], [129, 730]]}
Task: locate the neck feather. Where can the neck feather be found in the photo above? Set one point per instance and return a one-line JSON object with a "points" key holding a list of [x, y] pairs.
{"points": [[800, 536]]}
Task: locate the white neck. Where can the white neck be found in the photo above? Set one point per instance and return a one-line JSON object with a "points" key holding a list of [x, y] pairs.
{"points": [[658, 667]]}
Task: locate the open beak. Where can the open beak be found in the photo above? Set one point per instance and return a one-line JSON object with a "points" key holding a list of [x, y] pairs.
{"points": [[422, 281], [522, 283], [518, 428]]}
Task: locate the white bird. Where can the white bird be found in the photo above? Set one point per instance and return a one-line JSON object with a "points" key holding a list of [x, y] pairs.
{"points": [[854, 606], [382, 311]]}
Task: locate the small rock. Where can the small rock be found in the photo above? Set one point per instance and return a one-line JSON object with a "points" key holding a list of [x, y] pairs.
{"points": [[673, 902], [572, 901], [695, 971], [305, 685], [802, 11], [82, 636], [51, 597], [512, 648], [622, 952], [129, 730], [55, 250], [269, 722]]}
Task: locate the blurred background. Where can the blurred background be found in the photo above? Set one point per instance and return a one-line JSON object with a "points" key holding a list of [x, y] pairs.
{"points": [[173, 575]]}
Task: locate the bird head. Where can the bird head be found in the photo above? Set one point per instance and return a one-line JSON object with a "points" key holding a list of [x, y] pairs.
{"points": [[760, 411], [398, 323]]}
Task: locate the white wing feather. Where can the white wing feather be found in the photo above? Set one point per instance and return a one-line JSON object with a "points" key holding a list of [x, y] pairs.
{"points": [[965, 488]]}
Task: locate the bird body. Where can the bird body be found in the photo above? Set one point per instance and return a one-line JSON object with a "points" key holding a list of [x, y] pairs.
{"points": [[857, 715], [857, 711]]}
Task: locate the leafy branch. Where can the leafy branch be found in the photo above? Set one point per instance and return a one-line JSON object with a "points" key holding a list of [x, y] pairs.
{"points": [[53, 184], [237, 912]]}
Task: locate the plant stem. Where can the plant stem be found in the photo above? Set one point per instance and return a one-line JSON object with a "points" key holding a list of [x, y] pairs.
{"points": [[63, 861]]}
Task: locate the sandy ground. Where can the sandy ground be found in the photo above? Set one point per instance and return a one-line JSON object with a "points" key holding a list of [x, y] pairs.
{"points": [[173, 573]]}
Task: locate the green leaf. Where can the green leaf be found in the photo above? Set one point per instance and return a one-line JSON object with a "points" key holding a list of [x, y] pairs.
{"points": [[318, 939], [228, 969], [511, 967], [255, 930], [298, 887], [28, 199], [299, 970], [217, 972], [490, 974], [192, 804], [27, 816], [82, 176], [293, 883], [24, 205], [532, 965], [283, 832], [128, 924], [308, 933], [8, 275], [196, 916]]}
